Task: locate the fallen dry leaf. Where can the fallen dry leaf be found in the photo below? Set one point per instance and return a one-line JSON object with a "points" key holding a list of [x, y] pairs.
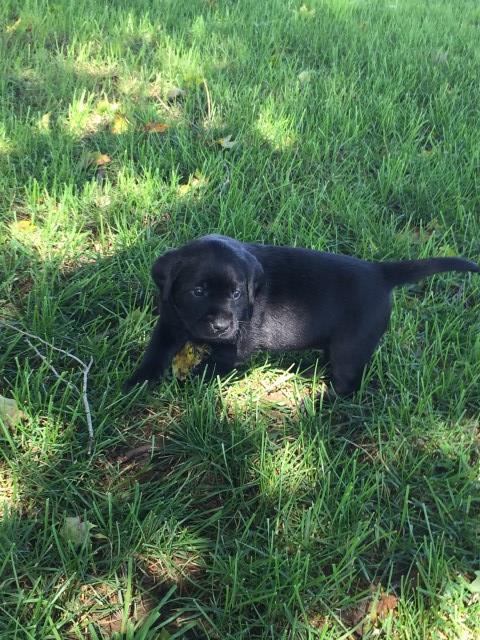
{"points": [[227, 142], [43, 123], [94, 158], [156, 127], [474, 586], [9, 411], [305, 76], [368, 612], [189, 357], [14, 26], [23, 226], [120, 124], [101, 159], [76, 531], [306, 12], [174, 93], [385, 604], [194, 183]]}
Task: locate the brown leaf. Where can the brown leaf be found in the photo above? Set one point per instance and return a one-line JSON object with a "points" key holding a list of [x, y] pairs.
{"points": [[97, 159], [102, 159], [353, 616], [368, 612], [385, 605], [156, 127]]}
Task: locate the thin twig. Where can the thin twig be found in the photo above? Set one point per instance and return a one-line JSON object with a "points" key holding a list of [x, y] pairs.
{"points": [[87, 406], [50, 366], [209, 104], [226, 182], [86, 369], [31, 335], [166, 106], [367, 453], [139, 452]]}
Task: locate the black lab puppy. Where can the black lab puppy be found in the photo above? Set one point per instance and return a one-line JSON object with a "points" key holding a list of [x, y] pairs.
{"points": [[239, 298]]}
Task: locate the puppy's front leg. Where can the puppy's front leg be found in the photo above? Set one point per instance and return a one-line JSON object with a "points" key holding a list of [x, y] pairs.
{"points": [[222, 359], [165, 342]]}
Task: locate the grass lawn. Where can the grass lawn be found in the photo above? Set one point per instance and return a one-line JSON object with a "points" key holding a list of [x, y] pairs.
{"points": [[218, 510]]}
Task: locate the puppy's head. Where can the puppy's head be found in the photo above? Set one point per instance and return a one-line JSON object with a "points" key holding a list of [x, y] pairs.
{"points": [[211, 283]]}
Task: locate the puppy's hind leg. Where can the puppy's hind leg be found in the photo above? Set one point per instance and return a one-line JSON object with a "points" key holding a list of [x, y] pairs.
{"points": [[350, 355]]}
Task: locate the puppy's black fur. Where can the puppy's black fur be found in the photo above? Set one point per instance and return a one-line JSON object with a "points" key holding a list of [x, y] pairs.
{"points": [[240, 298]]}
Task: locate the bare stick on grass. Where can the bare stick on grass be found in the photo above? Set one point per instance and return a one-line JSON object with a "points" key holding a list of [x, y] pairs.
{"points": [[85, 367]]}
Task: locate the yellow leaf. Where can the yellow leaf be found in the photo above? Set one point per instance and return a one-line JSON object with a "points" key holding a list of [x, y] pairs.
{"points": [[194, 183], [227, 142], [14, 26], [102, 159], [99, 159], [23, 226], [156, 127], [119, 124], [306, 12], [107, 107], [187, 358], [94, 159], [183, 189], [305, 76], [9, 411], [44, 122]]}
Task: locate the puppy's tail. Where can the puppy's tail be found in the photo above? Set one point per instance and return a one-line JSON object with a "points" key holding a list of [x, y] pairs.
{"points": [[407, 271]]}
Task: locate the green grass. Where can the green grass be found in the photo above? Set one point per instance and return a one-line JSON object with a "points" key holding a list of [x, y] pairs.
{"points": [[254, 521]]}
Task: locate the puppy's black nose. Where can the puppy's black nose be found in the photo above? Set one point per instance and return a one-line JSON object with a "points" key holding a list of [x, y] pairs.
{"points": [[220, 324]]}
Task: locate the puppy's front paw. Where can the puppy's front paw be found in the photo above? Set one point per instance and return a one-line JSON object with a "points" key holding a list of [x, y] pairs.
{"points": [[139, 377]]}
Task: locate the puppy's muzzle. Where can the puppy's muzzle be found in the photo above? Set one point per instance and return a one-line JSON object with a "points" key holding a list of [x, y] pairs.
{"points": [[220, 326]]}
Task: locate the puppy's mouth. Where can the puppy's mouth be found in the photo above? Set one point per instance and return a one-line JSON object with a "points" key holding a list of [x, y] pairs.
{"points": [[213, 332], [225, 335]]}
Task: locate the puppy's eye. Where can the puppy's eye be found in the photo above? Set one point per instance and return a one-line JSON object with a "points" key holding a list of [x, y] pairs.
{"points": [[236, 293], [198, 291]]}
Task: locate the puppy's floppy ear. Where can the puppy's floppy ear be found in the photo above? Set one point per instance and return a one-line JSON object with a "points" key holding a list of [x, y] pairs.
{"points": [[165, 270], [255, 279]]}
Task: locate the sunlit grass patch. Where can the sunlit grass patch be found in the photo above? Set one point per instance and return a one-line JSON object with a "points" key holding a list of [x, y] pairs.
{"points": [[270, 395], [276, 128], [9, 494]]}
